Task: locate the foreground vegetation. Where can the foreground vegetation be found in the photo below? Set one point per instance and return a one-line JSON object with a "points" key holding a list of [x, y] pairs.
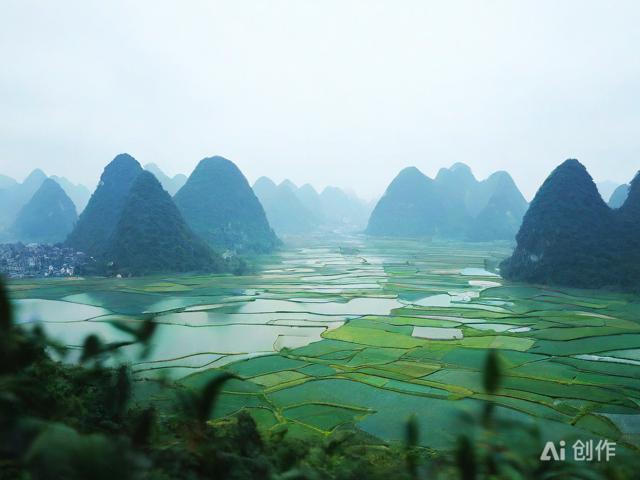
{"points": [[77, 422]]}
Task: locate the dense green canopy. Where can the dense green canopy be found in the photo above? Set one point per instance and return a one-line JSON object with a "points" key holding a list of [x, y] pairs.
{"points": [[151, 236], [99, 219], [569, 236], [220, 206]]}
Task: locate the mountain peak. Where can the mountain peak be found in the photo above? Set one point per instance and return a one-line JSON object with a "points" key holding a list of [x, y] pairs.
{"points": [[410, 172], [285, 210], [171, 185], [606, 188], [406, 177], [619, 196], [498, 207], [288, 184], [572, 175], [151, 236], [308, 189], [454, 205], [219, 205], [48, 217], [570, 183], [564, 233], [14, 195], [409, 207], [210, 167], [124, 159], [502, 180], [99, 218], [37, 176], [122, 164], [157, 172], [572, 165], [216, 161], [458, 172], [264, 182], [500, 175], [50, 185], [460, 167], [79, 194]]}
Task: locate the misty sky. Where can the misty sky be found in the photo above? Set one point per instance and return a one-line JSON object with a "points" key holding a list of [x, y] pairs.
{"points": [[329, 92]]}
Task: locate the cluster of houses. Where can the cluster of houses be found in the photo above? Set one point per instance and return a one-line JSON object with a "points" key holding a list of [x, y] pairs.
{"points": [[38, 260]]}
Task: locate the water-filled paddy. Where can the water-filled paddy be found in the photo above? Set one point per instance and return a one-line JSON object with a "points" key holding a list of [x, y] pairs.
{"points": [[324, 337], [437, 333]]}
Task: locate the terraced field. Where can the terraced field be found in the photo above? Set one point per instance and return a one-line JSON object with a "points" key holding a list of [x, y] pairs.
{"points": [[360, 333]]}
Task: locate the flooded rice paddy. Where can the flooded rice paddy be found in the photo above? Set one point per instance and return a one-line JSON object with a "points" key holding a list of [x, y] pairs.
{"points": [[363, 333]]}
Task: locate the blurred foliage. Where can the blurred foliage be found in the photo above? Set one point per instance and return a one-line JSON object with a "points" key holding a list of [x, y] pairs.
{"points": [[77, 421]]}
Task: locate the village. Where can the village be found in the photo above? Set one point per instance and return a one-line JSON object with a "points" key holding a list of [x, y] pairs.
{"points": [[36, 260]]}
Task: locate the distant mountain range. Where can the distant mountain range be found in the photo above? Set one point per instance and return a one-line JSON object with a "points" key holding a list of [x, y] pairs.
{"points": [[48, 216], [170, 184], [613, 193], [285, 211], [454, 205], [15, 195], [131, 226], [342, 208], [619, 196], [6, 182], [78, 193], [300, 210], [606, 188], [569, 236]]}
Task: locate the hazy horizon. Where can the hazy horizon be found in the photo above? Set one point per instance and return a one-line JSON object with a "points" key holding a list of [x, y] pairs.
{"points": [[330, 93]]}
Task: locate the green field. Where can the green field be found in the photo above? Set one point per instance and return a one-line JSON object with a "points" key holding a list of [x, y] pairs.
{"points": [[324, 338]]}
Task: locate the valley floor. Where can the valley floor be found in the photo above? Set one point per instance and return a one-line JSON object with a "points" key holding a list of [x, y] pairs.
{"points": [[356, 332]]}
